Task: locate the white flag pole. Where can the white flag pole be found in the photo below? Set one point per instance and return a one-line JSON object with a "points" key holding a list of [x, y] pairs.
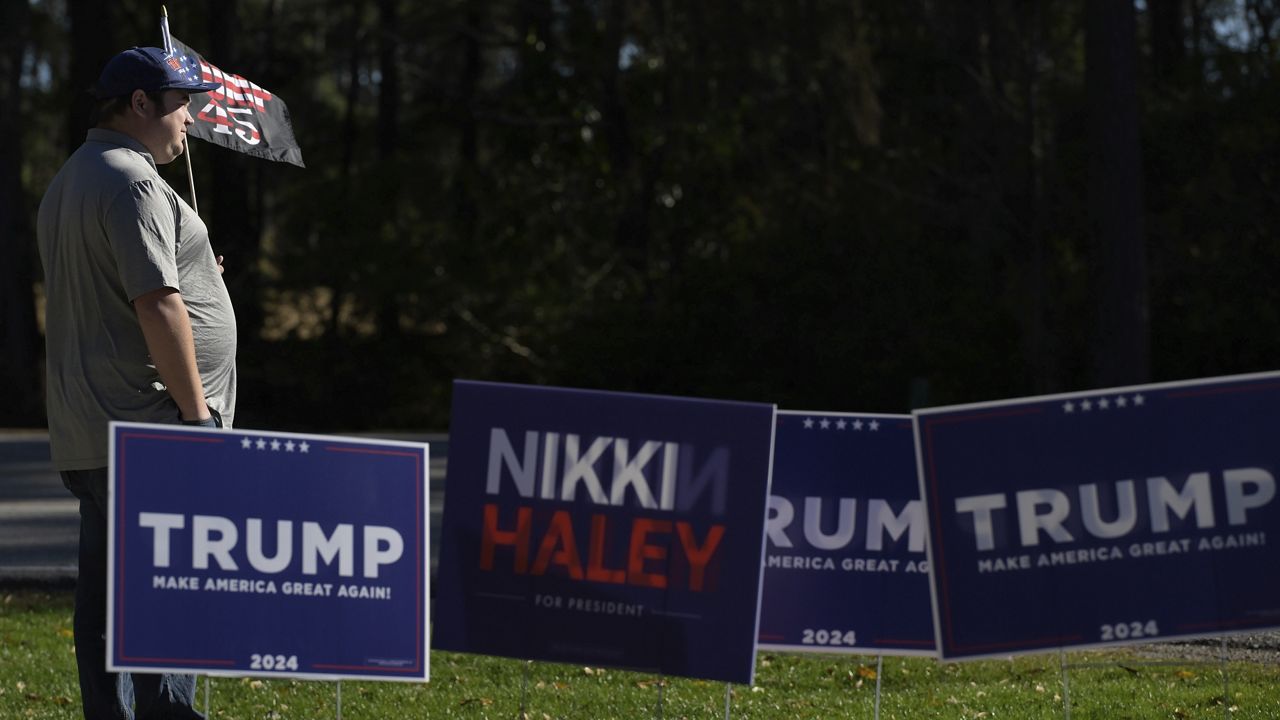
{"points": [[191, 178], [167, 41]]}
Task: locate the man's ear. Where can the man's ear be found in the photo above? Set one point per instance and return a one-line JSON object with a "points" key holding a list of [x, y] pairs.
{"points": [[138, 102]]}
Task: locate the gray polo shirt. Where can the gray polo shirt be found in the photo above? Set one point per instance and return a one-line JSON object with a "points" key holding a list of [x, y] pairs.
{"points": [[110, 229]]}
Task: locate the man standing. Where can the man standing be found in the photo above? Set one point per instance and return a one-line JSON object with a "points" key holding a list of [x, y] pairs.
{"points": [[139, 327]]}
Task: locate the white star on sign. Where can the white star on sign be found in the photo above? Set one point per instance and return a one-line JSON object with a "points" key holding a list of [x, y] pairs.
{"points": [[246, 443], [262, 444], [303, 446], [1121, 401], [841, 424], [288, 446], [857, 424], [1103, 403], [1085, 405], [825, 423], [1068, 407], [808, 423], [275, 445], [1138, 400], [875, 425]]}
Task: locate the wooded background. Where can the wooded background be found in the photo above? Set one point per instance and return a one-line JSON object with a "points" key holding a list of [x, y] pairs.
{"points": [[861, 205]]}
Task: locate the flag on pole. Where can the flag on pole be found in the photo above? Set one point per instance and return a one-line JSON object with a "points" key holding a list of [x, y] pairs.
{"points": [[239, 115], [164, 30]]}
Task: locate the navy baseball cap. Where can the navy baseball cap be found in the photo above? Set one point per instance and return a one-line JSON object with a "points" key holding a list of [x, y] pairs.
{"points": [[149, 69]]}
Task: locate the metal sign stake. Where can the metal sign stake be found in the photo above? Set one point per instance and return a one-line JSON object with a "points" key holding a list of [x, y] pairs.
{"points": [[728, 693], [1066, 684], [1226, 687], [524, 690], [338, 706], [879, 672], [662, 684]]}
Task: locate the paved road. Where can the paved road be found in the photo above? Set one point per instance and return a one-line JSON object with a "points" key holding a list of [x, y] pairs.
{"points": [[39, 518]]}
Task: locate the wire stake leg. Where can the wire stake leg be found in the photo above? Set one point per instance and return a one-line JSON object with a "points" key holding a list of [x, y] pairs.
{"points": [[1066, 684], [524, 690], [662, 684], [1226, 685], [879, 672]]}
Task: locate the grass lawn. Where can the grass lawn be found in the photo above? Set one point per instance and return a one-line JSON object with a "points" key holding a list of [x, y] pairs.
{"points": [[38, 680]]}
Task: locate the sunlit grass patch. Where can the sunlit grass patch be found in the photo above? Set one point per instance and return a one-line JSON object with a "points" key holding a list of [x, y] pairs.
{"points": [[38, 680]]}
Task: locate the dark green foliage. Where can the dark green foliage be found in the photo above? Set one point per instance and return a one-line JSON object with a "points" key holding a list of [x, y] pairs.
{"points": [[847, 205]]}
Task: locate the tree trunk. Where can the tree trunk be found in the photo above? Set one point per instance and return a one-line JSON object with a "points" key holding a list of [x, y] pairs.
{"points": [[92, 43], [1040, 345], [1167, 37], [634, 188], [233, 230], [387, 142], [350, 133], [19, 339], [1122, 343], [466, 212]]}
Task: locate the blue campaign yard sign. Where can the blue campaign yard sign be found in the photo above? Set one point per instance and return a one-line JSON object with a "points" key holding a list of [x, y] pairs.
{"points": [[1106, 517], [262, 553], [604, 529], [845, 567]]}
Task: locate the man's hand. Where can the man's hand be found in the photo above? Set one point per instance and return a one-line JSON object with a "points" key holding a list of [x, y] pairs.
{"points": [[166, 326], [221, 269]]}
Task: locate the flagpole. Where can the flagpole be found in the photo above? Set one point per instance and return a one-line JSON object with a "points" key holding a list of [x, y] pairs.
{"points": [[167, 41], [191, 178]]}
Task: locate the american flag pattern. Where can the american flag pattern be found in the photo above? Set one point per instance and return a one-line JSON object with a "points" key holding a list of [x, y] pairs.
{"points": [[231, 106], [235, 90], [239, 114]]}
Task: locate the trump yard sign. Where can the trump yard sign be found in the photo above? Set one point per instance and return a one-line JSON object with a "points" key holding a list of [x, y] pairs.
{"points": [[1114, 516], [845, 567], [259, 553]]}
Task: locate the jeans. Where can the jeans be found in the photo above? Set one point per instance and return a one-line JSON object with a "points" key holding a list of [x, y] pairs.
{"points": [[104, 695]]}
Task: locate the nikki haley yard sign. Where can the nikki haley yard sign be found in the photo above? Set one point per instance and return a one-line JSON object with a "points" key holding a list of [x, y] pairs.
{"points": [[1106, 517], [257, 553], [845, 567], [604, 529]]}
